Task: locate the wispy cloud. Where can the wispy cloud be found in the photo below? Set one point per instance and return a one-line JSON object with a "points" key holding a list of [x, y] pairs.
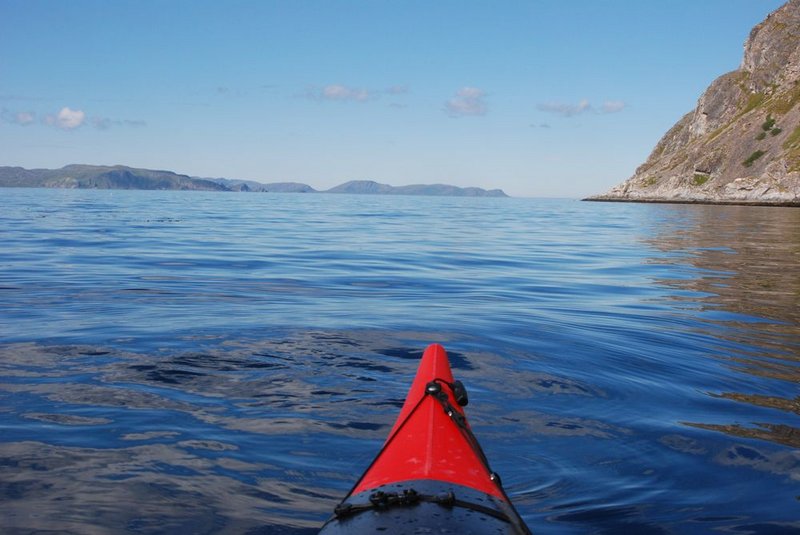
{"points": [[467, 101], [340, 93], [224, 91], [22, 118], [105, 123], [584, 106], [565, 109], [346, 93], [612, 106], [397, 90], [66, 119], [27, 98]]}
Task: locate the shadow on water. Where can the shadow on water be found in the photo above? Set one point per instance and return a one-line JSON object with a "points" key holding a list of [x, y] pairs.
{"points": [[457, 360], [244, 436]]}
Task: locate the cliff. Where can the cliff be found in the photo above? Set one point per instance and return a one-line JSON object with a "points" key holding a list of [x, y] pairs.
{"points": [[741, 144]]}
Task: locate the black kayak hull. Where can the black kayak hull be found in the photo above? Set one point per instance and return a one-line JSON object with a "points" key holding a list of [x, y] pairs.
{"points": [[422, 506]]}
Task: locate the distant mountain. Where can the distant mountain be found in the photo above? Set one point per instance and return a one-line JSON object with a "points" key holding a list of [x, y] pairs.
{"points": [[121, 177], [362, 187], [102, 177], [741, 144], [275, 187], [369, 187]]}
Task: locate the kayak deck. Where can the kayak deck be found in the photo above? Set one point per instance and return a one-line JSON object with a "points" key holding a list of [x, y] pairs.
{"points": [[431, 474]]}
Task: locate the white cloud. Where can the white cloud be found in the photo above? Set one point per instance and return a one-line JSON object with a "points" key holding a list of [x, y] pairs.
{"points": [[66, 119], [467, 101], [69, 119], [571, 110]]}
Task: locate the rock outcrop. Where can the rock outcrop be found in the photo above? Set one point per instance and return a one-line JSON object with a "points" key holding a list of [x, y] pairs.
{"points": [[741, 144]]}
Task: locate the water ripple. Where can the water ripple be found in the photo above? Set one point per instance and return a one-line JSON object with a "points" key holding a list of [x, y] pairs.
{"points": [[189, 362]]}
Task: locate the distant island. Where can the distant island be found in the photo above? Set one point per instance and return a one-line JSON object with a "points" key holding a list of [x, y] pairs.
{"points": [[122, 177], [741, 144]]}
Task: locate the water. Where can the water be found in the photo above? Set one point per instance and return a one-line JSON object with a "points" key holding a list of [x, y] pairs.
{"points": [[192, 362]]}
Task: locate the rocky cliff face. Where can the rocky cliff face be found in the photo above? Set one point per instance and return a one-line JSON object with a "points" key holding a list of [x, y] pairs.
{"points": [[741, 144]]}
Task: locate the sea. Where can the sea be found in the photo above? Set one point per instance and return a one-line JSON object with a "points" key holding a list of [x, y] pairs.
{"points": [[192, 362]]}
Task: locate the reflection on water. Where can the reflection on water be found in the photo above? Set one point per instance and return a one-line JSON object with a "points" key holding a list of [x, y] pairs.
{"points": [[751, 286], [749, 257]]}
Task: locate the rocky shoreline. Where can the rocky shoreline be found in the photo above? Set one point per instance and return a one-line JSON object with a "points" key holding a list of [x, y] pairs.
{"points": [[644, 200]]}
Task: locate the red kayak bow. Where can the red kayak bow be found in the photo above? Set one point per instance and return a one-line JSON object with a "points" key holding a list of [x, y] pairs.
{"points": [[431, 472]]}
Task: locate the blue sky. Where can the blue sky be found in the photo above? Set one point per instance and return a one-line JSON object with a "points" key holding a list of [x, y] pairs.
{"points": [[539, 98]]}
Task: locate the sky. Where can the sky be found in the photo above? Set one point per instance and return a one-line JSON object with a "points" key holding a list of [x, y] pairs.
{"points": [[541, 98]]}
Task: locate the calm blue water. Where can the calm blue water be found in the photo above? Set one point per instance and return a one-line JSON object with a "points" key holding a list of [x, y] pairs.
{"points": [[193, 362]]}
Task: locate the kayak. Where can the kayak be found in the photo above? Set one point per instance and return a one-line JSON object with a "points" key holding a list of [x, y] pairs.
{"points": [[431, 475]]}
